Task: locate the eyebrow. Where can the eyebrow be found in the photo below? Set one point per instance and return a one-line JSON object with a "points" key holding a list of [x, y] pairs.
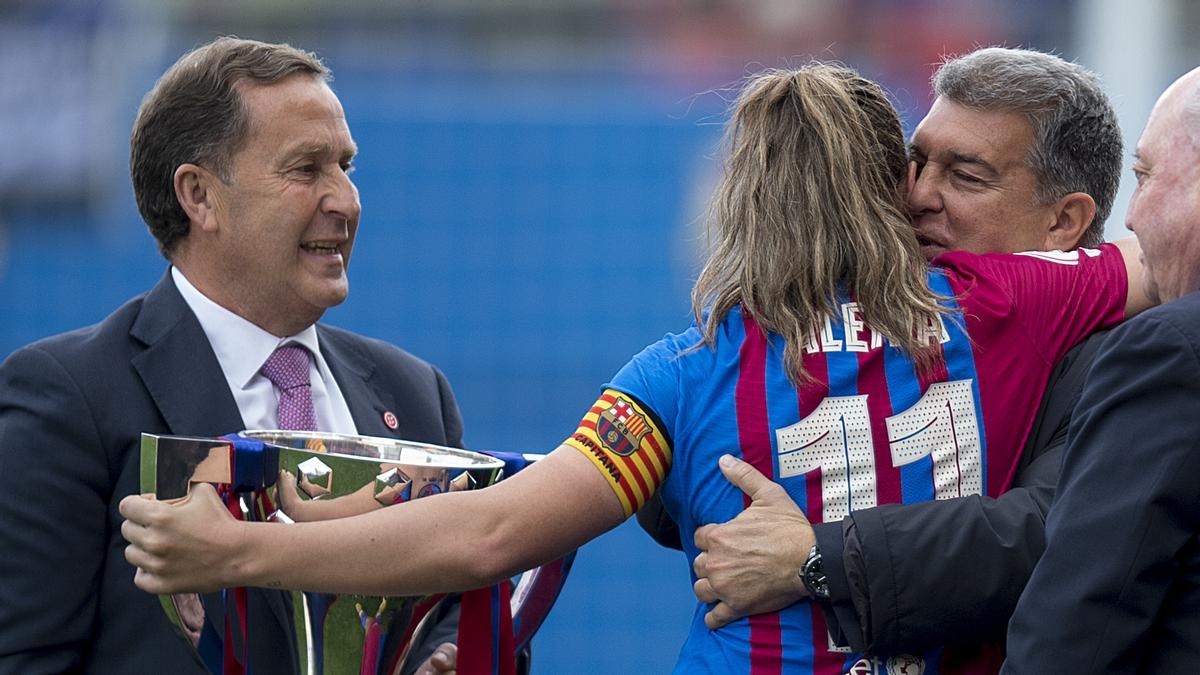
{"points": [[318, 149], [957, 157], [974, 160]]}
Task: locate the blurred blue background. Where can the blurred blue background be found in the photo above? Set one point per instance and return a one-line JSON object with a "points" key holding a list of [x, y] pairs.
{"points": [[533, 176]]}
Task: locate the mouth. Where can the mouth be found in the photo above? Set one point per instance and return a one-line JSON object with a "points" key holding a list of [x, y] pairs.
{"points": [[930, 248], [322, 247]]}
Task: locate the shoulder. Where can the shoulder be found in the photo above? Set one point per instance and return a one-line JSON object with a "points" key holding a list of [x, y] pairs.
{"points": [[1176, 322], [375, 346], [90, 347], [1159, 348], [373, 353], [670, 355], [1182, 314]]}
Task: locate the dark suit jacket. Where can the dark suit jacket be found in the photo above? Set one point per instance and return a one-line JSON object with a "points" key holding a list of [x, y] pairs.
{"points": [[71, 411], [891, 595], [1118, 589]]}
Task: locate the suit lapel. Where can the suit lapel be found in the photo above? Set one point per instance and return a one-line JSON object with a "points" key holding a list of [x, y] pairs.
{"points": [[179, 368], [353, 370], [184, 378]]}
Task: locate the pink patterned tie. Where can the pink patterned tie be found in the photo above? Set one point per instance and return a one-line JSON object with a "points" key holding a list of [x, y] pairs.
{"points": [[287, 368]]}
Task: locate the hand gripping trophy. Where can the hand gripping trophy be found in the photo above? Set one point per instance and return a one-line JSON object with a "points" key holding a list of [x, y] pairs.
{"points": [[288, 476]]}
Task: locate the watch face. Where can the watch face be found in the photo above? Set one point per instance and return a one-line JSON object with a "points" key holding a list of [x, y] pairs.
{"points": [[813, 575]]}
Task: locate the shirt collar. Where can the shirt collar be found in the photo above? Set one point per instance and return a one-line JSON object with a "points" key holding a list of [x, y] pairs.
{"points": [[241, 347]]}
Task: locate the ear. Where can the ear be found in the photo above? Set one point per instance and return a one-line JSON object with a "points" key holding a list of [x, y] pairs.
{"points": [[195, 188], [1073, 214]]}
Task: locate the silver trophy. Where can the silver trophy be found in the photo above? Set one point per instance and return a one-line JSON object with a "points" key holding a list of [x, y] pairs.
{"points": [[327, 475]]}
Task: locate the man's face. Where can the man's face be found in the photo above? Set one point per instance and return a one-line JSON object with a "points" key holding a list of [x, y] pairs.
{"points": [[288, 216], [1164, 211], [974, 190]]}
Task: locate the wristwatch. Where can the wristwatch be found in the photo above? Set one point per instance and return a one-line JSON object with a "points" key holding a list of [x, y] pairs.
{"points": [[812, 574]]}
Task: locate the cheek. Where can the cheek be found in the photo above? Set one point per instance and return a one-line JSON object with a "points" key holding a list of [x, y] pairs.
{"points": [[977, 218], [975, 235]]}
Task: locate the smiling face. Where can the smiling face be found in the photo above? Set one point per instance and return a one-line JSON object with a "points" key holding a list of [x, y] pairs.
{"points": [[276, 246], [974, 190], [1164, 211]]}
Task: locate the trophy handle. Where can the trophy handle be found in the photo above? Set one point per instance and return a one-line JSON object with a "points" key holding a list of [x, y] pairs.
{"points": [[536, 591], [333, 634], [534, 597]]}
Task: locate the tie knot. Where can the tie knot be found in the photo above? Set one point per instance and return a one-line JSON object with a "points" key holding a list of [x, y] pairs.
{"points": [[287, 367]]}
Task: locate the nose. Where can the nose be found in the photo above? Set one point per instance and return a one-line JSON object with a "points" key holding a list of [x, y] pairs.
{"points": [[923, 196], [1131, 211], [341, 197]]}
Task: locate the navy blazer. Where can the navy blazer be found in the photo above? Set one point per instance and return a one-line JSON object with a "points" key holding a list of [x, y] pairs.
{"points": [[72, 408], [1118, 589]]}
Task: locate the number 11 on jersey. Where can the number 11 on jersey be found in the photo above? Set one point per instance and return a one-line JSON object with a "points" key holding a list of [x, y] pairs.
{"points": [[836, 438]]}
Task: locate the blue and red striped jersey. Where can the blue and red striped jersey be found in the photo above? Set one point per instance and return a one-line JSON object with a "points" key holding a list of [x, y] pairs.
{"points": [[869, 429]]}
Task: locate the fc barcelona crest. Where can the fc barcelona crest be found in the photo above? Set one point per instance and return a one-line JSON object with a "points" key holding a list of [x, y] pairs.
{"points": [[621, 428]]}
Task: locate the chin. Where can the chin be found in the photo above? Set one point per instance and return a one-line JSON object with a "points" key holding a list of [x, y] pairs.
{"points": [[326, 293], [333, 300]]}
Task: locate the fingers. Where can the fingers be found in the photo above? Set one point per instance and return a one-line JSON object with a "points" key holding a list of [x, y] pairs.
{"points": [[700, 565], [136, 528], [138, 554], [166, 540], [289, 498], [445, 657], [139, 508], [443, 661], [720, 615], [147, 581], [702, 535], [747, 478], [704, 591]]}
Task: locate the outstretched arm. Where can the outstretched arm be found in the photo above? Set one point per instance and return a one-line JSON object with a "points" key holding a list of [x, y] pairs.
{"points": [[449, 542]]}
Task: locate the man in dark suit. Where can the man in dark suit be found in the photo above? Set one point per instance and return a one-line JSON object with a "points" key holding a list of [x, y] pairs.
{"points": [[1118, 589], [240, 163], [1020, 151]]}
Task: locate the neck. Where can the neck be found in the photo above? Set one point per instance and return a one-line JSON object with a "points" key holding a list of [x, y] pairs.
{"points": [[272, 318]]}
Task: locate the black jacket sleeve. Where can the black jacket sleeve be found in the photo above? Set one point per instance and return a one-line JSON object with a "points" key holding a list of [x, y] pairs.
{"points": [[53, 507], [1118, 589], [912, 576]]}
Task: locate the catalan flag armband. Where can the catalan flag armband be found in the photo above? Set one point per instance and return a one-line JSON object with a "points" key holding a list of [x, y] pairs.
{"points": [[627, 445]]}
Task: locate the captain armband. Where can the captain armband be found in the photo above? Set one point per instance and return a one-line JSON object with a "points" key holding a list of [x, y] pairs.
{"points": [[627, 445]]}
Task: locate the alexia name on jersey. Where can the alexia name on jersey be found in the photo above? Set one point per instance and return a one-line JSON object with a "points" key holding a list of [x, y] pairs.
{"points": [[852, 335]]}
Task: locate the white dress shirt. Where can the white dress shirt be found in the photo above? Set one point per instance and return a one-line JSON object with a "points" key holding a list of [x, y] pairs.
{"points": [[242, 348]]}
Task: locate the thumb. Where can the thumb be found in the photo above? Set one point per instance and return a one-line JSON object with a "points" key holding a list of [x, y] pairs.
{"points": [[747, 478]]}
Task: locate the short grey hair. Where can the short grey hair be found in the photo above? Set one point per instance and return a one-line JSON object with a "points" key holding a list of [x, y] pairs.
{"points": [[1077, 142]]}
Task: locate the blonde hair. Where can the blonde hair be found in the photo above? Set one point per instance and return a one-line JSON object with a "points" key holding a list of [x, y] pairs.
{"points": [[811, 207]]}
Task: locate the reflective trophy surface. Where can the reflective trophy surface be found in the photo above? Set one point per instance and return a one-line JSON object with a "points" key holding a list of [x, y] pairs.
{"points": [[329, 475]]}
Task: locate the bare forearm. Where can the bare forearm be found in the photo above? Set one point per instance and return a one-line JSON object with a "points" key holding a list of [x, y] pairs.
{"points": [[449, 542], [401, 550]]}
